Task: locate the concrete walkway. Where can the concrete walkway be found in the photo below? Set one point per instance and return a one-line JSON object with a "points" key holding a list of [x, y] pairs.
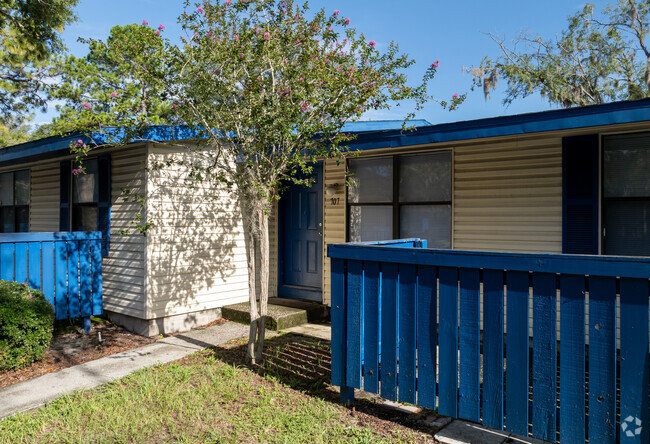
{"points": [[39, 391]]}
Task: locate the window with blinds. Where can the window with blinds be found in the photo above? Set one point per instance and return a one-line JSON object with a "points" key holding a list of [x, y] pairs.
{"points": [[400, 197], [14, 202], [626, 195]]}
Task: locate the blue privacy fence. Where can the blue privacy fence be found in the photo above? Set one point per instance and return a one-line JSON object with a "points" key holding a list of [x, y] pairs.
{"points": [[66, 267], [406, 324]]}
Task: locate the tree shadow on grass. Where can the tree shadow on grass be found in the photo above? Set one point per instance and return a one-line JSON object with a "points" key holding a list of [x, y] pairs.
{"points": [[304, 363]]}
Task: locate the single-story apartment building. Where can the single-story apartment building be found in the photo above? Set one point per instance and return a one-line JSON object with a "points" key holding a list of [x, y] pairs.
{"points": [[563, 181]]}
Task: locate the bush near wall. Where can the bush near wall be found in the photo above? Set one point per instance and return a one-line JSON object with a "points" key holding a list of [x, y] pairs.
{"points": [[26, 325]]}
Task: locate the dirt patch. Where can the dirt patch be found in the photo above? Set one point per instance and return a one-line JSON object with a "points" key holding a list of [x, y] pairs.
{"points": [[70, 346]]}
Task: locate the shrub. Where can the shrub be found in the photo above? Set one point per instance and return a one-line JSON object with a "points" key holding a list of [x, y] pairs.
{"points": [[26, 324]]}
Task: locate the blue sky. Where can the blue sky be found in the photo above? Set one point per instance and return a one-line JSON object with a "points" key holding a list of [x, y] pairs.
{"points": [[452, 31]]}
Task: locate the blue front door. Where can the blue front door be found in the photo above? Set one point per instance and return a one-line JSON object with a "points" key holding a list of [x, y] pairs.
{"points": [[300, 230]]}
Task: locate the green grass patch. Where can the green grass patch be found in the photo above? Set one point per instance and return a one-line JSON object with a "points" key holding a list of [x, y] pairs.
{"points": [[209, 397]]}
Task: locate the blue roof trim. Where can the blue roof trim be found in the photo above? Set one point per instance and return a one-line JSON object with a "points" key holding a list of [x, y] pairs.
{"points": [[52, 147], [589, 116], [378, 134], [381, 125]]}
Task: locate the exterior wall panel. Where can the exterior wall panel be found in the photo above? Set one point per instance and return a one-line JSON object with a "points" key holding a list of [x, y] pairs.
{"points": [[334, 224], [124, 267], [508, 196], [196, 251]]}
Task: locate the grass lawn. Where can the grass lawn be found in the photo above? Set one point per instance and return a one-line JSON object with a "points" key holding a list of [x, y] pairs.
{"points": [[211, 396]]}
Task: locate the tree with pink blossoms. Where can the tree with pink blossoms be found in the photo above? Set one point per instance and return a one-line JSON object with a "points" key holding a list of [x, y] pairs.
{"points": [[269, 85]]}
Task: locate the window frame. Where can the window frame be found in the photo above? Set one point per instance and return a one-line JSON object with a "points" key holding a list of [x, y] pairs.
{"points": [[396, 204], [14, 205]]}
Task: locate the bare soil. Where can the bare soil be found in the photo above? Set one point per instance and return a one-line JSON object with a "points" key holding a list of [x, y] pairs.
{"points": [[71, 346]]}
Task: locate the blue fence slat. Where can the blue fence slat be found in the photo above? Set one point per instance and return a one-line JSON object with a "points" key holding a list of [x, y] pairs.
{"points": [[355, 301], [338, 317], [448, 343], [517, 346], [371, 327], [61, 278], [469, 389], [7, 262], [427, 336], [47, 271], [97, 287], [21, 263], [492, 400], [388, 371], [406, 315], [544, 356], [602, 359], [635, 413], [35, 265], [73, 279], [85, 280], [572, 358]]}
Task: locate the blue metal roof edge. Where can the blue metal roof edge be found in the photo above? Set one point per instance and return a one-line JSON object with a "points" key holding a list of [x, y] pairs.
{"points": [[588, 116], [57, 146], [571, 118]]}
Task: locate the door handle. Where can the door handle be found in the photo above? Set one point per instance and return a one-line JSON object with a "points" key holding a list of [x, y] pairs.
{"points": [[320, 233]]}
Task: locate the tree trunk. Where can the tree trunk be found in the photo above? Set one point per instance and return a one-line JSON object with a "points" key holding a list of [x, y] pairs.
{"points": [[263, 220], [256, 223]]}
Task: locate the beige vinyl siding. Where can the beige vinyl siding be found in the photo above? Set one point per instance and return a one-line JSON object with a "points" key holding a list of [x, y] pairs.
{"points": [[508, 196], [196, 252], [124, 267], [44, 199], [333, 218]]}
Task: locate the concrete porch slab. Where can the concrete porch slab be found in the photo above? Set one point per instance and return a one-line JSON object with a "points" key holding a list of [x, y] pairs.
{"points": [[281, 313]]}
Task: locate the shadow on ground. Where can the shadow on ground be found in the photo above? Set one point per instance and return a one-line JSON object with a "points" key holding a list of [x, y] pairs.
{"points": [[303, 363]]}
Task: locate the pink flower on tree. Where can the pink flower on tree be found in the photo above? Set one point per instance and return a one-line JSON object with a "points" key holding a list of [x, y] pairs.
{"points": [[347, 21], [304, 106], [267, 36], [235, 37], [435, 64], [157, 32], [372, 43], [80, 142], [228, 2], [329, 28], [241, 54], [76, 171], [455, 96], [175, 106], [114, 94], [87, 106], [145, 23], [161, 27], [200, 10], [336, 12]]}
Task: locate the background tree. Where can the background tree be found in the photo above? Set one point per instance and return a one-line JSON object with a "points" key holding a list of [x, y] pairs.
{"points": [[599, 58], [119, 83], [29, 38]]}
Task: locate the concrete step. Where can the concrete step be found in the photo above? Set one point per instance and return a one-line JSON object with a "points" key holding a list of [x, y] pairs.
{"points": [[282, 313]]}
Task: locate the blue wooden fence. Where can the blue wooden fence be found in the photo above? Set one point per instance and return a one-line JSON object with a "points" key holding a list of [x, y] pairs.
{"points": [[66, 267], [405, 325]]}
